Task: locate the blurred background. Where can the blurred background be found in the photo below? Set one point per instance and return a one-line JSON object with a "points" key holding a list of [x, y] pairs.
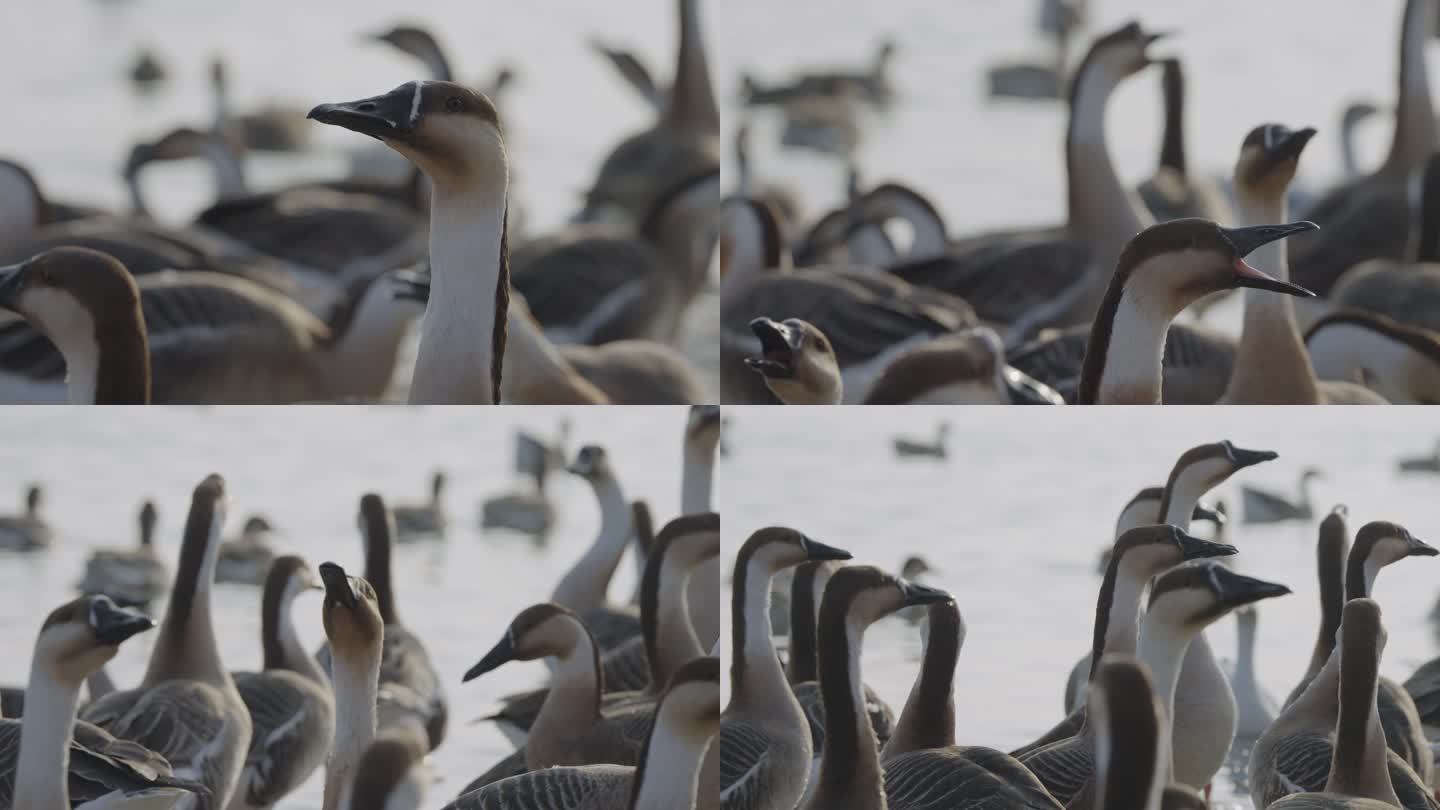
{"points": [[304, 469], [1013, 517]]}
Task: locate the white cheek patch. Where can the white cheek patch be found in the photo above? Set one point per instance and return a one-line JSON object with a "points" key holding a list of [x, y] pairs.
{"points": [[58, 314], [415, 102]]}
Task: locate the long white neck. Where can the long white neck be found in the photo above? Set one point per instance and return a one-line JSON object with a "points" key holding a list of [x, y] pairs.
{"points": [[355, 692], [1132, 373], [583, 587], [1339, 350], [297, 658], [1162, 648], [672, 768], [456, 354], [569, 708], [1123, 627], [82, 366], [1414, 137], [675, 640], [696, 485], [762, 676], [1245, 650], [697, 478], [41, 775], [363, 361]]}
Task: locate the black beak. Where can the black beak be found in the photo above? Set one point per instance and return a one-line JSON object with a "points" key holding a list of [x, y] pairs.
{"points": [[113, 624], [1237, 589], [1248, 458], [503, 652], [11, 282], [337, 586], [1420, 548], [390, 117], [1203, 512], [1194, 548], [1151, 37], [410, 286], [779, 343], [1290, 145], [706, 416], [820, 551], [1246, 240], [916, 594]]}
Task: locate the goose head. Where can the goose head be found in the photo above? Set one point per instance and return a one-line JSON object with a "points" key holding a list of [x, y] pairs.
{"points": [[914, 567], [539, 631], [860, 595], [1195, 594], [776, 547], [688, 540], [289, 576], [1145, 551], [178, 144], [351, 616], [34, 495], [437, 484], [797, 362], [81, 635], [1269, 156], [410, 39], [256, 527], [450, 132], [591, 463], [1310, 473], [1202, 468], [1117, 55], [1380, 543], [691, 703], [702, 428]]}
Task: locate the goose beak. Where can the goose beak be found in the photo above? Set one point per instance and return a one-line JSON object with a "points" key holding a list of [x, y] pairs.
{"points": [[502, 653], [820, 551], [1249, 458], [779, 344], [917, 594], [1290, 147], [113, 624], [1238, 590], [1248, 276], [11, 282], [386, 117], [1420, 548], [337, 586], [1194, 548], [1152, 37], [1246, 240]]}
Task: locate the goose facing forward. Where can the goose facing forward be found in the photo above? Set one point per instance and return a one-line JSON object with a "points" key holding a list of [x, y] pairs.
{"points": [[27, 531], [354, 633]]}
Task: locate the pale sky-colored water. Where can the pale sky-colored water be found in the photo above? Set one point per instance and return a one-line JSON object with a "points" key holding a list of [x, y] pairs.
{"points": [[306, 468], [1015, 518]]}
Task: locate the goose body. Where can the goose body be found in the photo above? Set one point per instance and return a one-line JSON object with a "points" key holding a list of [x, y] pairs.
{"points": [[129, 576], [1255, 708], [423, 520], [245, 560], [27, 531], [1401, 363], [583, 587], [1259, 506]]}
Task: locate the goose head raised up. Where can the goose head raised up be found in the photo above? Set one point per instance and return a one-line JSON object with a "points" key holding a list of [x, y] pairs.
{"points": [[797, 362], [82, 635]]}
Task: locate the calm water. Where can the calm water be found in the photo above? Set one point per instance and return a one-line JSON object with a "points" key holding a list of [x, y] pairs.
{"points": [[66, 65], [1016, 516], [306, 468], [991, 163]]}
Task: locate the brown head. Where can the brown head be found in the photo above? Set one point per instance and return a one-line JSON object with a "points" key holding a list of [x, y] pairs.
{"points": [[797, 362], [859, 595], [1379, 543], [703, 426], [964, 368], [451, 132], [1206, 466], [80, 636], [591, 463], [692, 699], [351, 616], [539, 631], [1269, 156], [1193, 595]]}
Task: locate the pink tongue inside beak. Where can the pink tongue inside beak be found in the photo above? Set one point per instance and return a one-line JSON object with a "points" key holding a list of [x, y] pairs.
{"points": [[1243, 268]]}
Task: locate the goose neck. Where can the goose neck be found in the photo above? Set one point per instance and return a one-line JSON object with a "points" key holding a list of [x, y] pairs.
{"points": [[44, 761], [1100, 209], [1162, 647], [1358, 764], [226, 169], [457, 362], [1414, 137], [186, 645], [755, 673], [1172, 144], [697, 478], [668, 773], [356, 685], [279, 640], [572, 705], [806, 589], [928, 718], [583, 587], [1118, 615], [378, 541], [1132, 349], [849, 765], [1330, 560], [1245, 650], [691, 106], [363, 359], [138, 207], [674, 640]]}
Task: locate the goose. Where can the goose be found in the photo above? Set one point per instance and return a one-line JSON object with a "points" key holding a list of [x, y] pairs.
{"points": [[1260, 506], [667, 775], [188, 337], [354, 632], [1331, 550], [924, 768], [1293, 755], [871, 84], [133, 576], [50, 760], [1183, 601], [1184, 259], [1140, 553], [421, 44], [187, 708], [966, 368], [147, 71], [918, 447], [1430, 463], [784, 200], [1271, 364], [1144, 504], [28, 531], [1355, 768], [697, 482], [268, 129], [421, 520], [1172, 193], [1400, 363], [1026, 80], [292, 710], [667, 639], [247, 559], [1132, 739], [911, 570], [410, 691], [1424, 688], [1369, 217], [1351, 117], [683, 141], [392, 774], [1255, 708], [765, 745], [526, 509]]}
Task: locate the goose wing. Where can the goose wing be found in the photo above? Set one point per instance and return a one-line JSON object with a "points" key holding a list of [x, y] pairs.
{"points": [[1063, 767], [620, 735], [1069, 727], [746, 778], [942, 779], [582, 788], [882, 717], [1424, 689], [186, 722], [627, 667], [292, 720], [100, 766], [512, 765], [638, 372], [1004, 278], [1299, 763], [611, 626], [1400, 719], [406, 663], [595, 284], [1259, 504]]}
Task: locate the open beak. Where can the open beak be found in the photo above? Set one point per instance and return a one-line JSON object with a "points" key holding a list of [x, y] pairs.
{"points": [[502, 653], [337, 586], [779, 344], [11, 282], [386, 117], [917, 594], [113, 624]]}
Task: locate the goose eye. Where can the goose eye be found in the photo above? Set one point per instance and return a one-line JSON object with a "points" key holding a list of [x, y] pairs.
{"points": [[453, 104]]}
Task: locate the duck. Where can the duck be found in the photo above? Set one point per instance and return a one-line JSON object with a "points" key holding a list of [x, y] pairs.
{"points": [[422, 521], [1183, 601], [1345, 741], [256, 345], [1430, 463], [765, 745], [1261, 506], [1332, 548], [667, 775], [28, 531], [269, 129], [1255, 708], [453, 135], [50, 760], [354, 633], [1172, 193], [1271, 362], [1398, 362], [1199, 254], [133, 576], [410, 691], [583, 586], [905, 447], [246, 560], [187, 708], [1369, 217], [291, 705]]}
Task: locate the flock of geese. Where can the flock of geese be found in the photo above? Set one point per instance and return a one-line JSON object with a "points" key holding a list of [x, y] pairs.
{"points": [[626, 722], [879, 301], [305, 293], [1150, 714]]}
